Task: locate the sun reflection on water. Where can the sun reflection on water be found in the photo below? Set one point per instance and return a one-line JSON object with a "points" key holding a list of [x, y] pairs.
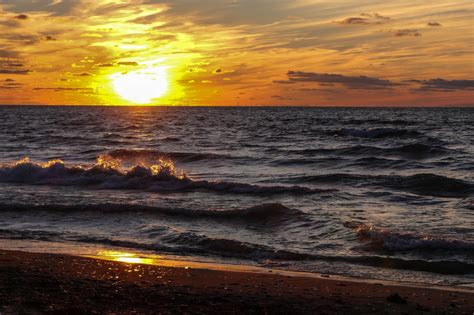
{"points": [[126, 257]]}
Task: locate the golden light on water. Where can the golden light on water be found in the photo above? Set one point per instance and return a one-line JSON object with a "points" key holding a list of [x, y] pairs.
{"points": [[141, 86], [125, 257]]}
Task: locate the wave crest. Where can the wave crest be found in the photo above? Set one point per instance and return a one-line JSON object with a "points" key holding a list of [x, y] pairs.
{"points": [[110, 173], [140, 156], [393, 241]]}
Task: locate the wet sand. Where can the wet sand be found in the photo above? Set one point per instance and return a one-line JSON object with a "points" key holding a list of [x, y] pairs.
{"points": [[32, 283]]}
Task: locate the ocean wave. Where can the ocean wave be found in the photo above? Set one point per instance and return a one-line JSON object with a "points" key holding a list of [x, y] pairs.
{"points": [[421, 184], [140, 156], [376, 133], [394, 241], [109, 173], [268, 212], [188, 243]]}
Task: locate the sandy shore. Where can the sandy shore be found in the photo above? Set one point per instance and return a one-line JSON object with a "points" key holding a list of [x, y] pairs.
{"points": [[32, 283]]}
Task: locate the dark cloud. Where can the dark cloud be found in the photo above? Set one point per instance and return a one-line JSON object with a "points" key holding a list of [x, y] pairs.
{"points": [[49, 38], [6, 53], [360, 82], [14, 65], [355, 20], [366, 18], [442, 85], [433, 24], [9, 80], [21, 17], [218, 71], [127, 63], [9, 87], [84, 74], [15, 72], [407, 32]]}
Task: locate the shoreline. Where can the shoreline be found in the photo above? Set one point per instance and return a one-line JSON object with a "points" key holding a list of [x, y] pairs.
{"points": [[57, 283]]}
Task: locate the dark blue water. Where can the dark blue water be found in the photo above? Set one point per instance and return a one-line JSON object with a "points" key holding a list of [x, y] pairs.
{"points": [[383, 193]]}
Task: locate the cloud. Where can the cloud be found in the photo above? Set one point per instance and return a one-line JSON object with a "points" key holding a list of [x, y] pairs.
{"points": [[10, 64], [365, 18], [127, 63], [49, 38], [14, 72], [360, 82], [407, 32], [21, 17], [355, 20], [434, 24], [6, 53], [9, 80], [84, 74], [442, 85]]}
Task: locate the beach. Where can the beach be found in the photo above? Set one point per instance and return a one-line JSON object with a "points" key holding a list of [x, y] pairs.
{"points": [[36, 283]]}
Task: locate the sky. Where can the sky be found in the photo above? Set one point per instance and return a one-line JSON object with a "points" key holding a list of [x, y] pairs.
{"points": [[237, 52]]}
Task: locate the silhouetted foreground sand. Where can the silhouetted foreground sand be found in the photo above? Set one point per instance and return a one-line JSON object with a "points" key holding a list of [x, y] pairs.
{"points": [[44, 283]]}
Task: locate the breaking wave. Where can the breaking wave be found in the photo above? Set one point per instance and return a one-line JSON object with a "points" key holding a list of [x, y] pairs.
{"points": [[110, 173], [175, 242], [393, 241], [138, 156]]}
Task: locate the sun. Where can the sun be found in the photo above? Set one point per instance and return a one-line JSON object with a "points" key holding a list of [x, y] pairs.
{"points": [[141, 86]]}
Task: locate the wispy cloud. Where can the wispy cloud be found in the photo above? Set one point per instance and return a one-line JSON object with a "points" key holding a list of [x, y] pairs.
{"points": [[14, 72], [364, 51], [442, 85], [406, 32], [351, 82]]}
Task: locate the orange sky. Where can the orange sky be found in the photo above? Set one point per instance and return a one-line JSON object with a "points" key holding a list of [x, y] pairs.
{"points": [[237, 52]]}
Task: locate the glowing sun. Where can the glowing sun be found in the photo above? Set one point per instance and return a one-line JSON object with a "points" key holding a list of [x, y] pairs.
{"points": [[141, 86]]}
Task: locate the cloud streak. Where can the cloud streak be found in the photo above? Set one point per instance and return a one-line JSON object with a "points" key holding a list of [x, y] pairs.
{"points": [[351, 82], [14, 72], [442, 85]]}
